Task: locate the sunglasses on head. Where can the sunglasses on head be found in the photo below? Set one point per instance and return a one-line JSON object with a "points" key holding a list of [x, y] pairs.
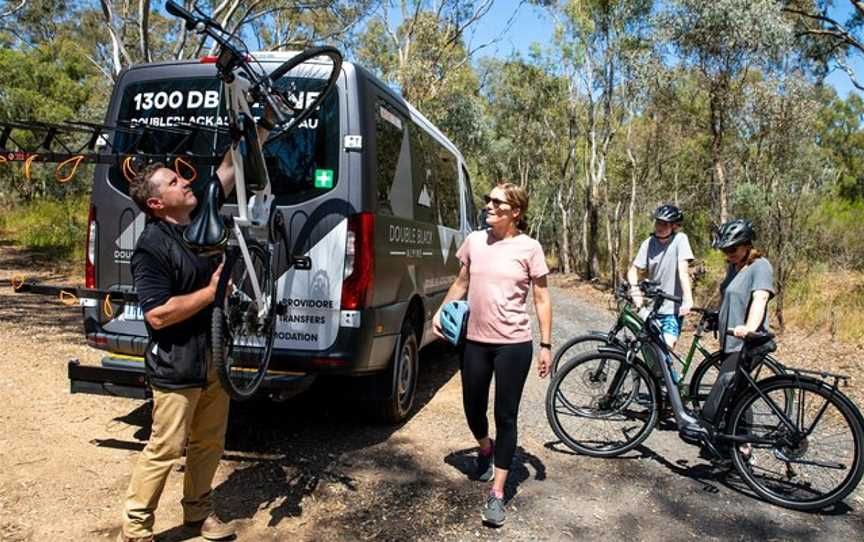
{"points": [[495, 201]]}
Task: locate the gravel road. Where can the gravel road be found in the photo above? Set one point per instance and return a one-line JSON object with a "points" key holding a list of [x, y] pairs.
{"points": [[315, 468]]}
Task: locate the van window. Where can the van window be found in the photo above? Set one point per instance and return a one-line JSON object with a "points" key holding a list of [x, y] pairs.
{"points": [[302, 164], [161, 104], [393, 164], [470, 205], [448, 188], [436, 180]]}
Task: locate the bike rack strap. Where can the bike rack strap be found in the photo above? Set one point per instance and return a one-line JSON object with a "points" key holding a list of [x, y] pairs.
{"points": [[30, 286]]}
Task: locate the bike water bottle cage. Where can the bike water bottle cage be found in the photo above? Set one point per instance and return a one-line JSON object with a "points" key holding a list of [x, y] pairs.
{"points": [[454, 321], [207, 234]]}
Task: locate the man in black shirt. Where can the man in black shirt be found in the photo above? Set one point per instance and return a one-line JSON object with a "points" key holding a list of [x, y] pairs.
{"points": [[176, 288]]}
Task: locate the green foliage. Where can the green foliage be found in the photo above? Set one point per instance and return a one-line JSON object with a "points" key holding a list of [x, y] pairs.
{"points": [[54, 227], [50, 83], [839, 236]]}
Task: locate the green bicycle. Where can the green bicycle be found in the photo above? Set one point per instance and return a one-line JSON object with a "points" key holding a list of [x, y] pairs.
{"points": [[629, 324]]}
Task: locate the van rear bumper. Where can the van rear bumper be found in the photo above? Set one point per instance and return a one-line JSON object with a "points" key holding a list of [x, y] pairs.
{"points": [[125, 377], [354, 352]]}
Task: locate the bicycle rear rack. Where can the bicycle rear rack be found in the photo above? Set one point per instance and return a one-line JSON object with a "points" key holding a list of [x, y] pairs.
{"points": [[823, 375]]}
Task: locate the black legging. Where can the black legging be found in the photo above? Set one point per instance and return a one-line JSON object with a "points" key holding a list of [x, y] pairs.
{"points": [[720, 395], [510, 363]]}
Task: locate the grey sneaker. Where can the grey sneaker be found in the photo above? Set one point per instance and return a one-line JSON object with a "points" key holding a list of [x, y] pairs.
{"points": [[493, 511], [485, 468]]}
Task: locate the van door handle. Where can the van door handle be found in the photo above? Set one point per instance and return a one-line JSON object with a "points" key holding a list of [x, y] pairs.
{"points": [[303, 263]]}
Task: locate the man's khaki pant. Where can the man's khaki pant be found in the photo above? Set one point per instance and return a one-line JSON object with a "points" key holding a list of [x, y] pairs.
{"points": [[199, 415]]}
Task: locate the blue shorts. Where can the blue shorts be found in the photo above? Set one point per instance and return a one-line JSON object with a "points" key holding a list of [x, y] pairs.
{"points": [[670, 324]]}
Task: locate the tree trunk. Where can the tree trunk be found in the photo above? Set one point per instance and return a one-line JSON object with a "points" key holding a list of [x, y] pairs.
{"points": [[564, 234], [719, 89]]}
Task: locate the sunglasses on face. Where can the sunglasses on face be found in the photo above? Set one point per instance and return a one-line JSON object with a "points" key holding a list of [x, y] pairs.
{"points": [[730, 250], [495, 201]]}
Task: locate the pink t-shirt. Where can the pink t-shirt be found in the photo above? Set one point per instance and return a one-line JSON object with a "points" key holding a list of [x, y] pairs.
{"points": [[501, 271]]}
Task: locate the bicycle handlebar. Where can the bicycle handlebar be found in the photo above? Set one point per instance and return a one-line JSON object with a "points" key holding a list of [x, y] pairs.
{"points": [[652, 289], [182, 13]]}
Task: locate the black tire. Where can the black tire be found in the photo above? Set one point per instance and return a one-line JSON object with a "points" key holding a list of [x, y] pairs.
{"points": [[308, 66], [579, 345], [243, 342], [402, 378], [707, 371], [838, 440], [578, 403]]}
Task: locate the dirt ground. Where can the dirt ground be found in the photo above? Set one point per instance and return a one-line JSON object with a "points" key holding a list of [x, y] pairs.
{"points": [[316, 468]]}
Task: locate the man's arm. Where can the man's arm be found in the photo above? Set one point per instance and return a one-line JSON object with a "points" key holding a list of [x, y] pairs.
{"points": [[225, 171], [182, 307]]}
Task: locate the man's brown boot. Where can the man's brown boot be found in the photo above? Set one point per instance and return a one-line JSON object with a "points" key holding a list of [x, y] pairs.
{"points": [[212, 528]]}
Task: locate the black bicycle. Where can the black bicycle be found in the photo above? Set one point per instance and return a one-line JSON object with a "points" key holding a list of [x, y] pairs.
{"points": [[795, 438]]}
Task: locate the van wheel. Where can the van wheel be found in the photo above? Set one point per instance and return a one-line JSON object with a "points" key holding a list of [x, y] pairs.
{"points": [[402, 376]]}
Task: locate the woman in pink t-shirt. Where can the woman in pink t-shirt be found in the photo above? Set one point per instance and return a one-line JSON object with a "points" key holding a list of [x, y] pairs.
{"points": [[499, 266]]}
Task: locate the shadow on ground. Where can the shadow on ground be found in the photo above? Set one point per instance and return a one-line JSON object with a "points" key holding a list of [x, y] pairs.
{"points": [[317, 447]]}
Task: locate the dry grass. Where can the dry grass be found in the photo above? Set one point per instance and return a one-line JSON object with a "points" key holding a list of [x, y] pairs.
{"points": [[831, 302]]}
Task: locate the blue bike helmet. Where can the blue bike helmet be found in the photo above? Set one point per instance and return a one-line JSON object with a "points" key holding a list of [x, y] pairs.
{"points": [[454, 321]]}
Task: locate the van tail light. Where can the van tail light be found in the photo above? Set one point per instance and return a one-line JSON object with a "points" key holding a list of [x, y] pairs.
{"points": [[209, 59], [359, 262], [90, 256]]}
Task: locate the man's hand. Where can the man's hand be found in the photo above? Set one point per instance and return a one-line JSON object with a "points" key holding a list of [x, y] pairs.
{"points": [[214, 281]]}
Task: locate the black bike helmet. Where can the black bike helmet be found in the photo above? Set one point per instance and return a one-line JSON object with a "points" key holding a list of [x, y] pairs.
{"points": [[668, 213], [734, 233]]}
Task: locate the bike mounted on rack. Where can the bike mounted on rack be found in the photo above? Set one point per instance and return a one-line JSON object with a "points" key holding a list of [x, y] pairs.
{"points": [[246, 307]]}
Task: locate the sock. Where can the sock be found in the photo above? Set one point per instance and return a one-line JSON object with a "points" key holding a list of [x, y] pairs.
{"points": [[493, 493]]}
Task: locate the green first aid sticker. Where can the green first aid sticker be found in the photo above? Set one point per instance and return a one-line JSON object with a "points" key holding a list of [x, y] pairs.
{"points": [[323, 178]]}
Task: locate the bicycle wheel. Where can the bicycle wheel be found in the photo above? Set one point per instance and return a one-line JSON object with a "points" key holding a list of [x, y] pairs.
{"points": [[601, 405], [811, 465], [708, 370], [579, 345], [242, 328], [304, 82]]}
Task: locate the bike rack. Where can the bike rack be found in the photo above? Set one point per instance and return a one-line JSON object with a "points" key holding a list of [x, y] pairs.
{"points": [[76, 142]]}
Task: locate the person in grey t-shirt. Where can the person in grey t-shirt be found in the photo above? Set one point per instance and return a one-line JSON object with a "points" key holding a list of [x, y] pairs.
{"points": [[665, 258], [746, 290]]}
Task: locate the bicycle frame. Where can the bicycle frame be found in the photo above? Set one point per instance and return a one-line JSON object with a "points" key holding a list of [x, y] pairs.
{"points": [[628, 318], [254, 212]]}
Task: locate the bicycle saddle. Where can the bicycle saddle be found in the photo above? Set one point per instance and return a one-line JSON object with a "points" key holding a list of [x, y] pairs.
{"points": [[207, 234], [759, 343]]}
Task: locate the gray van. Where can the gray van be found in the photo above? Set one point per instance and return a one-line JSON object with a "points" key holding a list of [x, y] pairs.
{"points": [[374, 196]]}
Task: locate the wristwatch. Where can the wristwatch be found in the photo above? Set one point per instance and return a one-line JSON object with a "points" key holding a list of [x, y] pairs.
{"points": [[546, 345]]}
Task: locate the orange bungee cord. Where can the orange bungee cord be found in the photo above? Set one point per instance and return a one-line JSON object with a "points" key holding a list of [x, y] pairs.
{"points": [[17, 281], [75, 161], [68, 298], [181, 162], [27, 165], [107, 308], [128, 170]]}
